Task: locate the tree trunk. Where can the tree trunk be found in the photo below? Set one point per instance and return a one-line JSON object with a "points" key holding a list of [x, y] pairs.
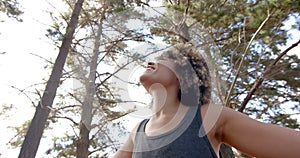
{"points": [[38, 122], [87, 107]]}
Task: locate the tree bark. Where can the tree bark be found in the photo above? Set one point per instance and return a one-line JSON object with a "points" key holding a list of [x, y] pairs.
{"points": [[82, 150], [35, 131]]}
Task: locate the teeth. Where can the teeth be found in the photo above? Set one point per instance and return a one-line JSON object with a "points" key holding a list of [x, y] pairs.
{"points": [[150, 67]]}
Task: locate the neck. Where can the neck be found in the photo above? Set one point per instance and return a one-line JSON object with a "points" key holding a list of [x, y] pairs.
{"points": [[165, 100]]}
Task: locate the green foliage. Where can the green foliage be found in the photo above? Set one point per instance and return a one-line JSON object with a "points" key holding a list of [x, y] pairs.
{"points": [[232, 24], [63, 146], [5, 109], [104, 131], [11, 8], [236, 26], [20, 132], [286, 120]]}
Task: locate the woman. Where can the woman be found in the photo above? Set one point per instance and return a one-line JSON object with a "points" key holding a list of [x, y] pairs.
{"points": [[184, 124]]}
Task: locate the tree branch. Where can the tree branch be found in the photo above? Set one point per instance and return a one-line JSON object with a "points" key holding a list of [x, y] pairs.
{"points": [[242, 60], [27, 96], [263, 76], [64, 117]]}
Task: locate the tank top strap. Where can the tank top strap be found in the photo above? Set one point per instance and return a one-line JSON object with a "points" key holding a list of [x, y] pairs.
{"points": [[142, 125]]}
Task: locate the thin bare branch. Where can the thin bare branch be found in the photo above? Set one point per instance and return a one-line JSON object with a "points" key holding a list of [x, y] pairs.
{"points": [[242, 60], [22, 91], [64, 117], [263, 76]]}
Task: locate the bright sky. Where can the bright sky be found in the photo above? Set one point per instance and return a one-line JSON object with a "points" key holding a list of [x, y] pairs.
{"points": [[19, 68]]}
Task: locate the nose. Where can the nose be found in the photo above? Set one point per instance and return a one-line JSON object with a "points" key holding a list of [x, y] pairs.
{"points": [[150, 63]]}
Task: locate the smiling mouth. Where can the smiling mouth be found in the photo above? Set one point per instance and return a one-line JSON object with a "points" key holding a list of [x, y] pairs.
{"points": [[150, 68]]}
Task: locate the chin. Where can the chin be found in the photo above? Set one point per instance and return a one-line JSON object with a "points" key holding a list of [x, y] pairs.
{"points": [[145, 81], [144, 78]]}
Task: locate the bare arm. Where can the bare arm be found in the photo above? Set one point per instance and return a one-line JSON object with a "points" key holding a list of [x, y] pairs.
{"points": [[258, 139], [126, 150]]}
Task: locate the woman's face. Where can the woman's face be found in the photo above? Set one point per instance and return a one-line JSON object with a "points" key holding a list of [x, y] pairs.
{"points": [[160, 71]]}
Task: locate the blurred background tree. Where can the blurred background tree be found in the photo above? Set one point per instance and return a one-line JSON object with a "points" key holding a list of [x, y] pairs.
{"points": [[11, 8], [245, 40]]}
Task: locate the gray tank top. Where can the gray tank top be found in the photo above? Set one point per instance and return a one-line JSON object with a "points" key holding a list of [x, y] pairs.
{"points": [[184, 141]]}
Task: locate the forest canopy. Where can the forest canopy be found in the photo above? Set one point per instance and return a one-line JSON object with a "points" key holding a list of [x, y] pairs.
{"points": [[86, 104]]}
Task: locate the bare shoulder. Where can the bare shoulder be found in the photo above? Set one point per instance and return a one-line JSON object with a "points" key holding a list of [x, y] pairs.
{"points": [[134, 131], [213, 118], [212, 124]]}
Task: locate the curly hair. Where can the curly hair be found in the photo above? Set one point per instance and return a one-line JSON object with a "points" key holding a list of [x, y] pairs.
{"points": [[192, 72]]}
